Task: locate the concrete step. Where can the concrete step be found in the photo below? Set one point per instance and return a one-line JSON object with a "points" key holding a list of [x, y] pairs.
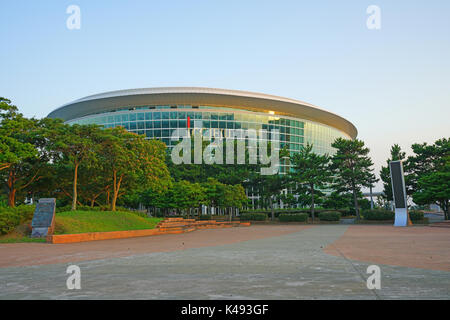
{"points": [[180, 225], [173, 224]]}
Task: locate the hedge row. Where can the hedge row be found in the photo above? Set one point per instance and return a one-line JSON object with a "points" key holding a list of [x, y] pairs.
{"points": [[297, 210], [329, 216], [12, 217], [256, 216], [204, 217], [378, 214], [416, 215], [213, 217], [289, 217], [390, 215]]}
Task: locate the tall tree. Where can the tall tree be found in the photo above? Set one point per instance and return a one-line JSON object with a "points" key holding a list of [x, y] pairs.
{"points": [[231, 197], [429, 174], [337, 200], [154, 198], [20, 158], [132, 161], [213, 192], [225, 173], [269, 188], [238, 198], [351, 168], [186, 195], [312, 170], [93, 182], [13, 148], [77, 144], [385, 175]]}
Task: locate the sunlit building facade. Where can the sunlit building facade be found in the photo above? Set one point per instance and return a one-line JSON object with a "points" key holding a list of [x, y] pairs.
{"points": [[156, 112]]}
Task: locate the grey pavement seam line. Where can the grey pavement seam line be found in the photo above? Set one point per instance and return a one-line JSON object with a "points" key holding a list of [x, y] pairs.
{"points": [[356, 269]]}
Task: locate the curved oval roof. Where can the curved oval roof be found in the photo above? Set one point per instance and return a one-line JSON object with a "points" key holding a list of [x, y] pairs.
{"points": [[252, 101]]}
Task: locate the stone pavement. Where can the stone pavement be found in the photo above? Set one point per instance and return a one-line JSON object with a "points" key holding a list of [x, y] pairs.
{"points": [[415, 247], [289, 266], [31, 254]]}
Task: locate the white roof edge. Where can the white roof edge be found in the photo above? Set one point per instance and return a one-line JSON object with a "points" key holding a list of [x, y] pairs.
{"points": [[162, 90], [198, 90]]}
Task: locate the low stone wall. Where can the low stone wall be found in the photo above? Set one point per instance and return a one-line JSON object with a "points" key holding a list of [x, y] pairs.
{"points": [[92, 236], [167, 226]]}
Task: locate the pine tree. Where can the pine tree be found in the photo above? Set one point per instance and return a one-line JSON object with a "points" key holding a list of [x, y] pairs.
{"points": [[385, 175], [352, 168]]}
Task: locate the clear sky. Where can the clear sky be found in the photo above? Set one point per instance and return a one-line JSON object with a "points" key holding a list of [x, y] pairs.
{"points": [[392, 83]]}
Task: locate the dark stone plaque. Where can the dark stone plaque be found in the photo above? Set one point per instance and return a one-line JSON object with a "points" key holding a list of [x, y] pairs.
{"points": [[398, 184], [44, 218], [399, 193]]}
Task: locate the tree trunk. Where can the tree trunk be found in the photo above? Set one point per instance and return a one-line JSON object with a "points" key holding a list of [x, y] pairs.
{"points": [[371, 198], [75, 194], [272, 210], [116, 190], [446, 210], [445, 206], [312, 202], [12, 198], [355, 200], [11, 190]]}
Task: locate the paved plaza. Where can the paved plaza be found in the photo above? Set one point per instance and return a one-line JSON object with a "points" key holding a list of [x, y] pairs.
{"points": [[258, 262]]}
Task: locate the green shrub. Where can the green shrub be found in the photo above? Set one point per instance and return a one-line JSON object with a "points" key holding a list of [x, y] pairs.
{"points": [[415, 215], [216, 217], [12, 217], [277, 212], [378, 214], [8, 221], [289, 217], [204, 217], [329, 216], [256, 216]]}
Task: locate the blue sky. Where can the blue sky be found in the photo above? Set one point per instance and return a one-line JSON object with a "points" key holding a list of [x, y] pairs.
{"points": [[392, 83]]}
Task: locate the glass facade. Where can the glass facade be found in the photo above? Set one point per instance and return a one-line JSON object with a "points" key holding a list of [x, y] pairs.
{"points": [[159, 121]]}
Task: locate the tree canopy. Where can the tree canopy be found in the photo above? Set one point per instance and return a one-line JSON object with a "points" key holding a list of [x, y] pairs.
{"points": [[429, 174], [385, 175], [352, 168], [312, 171]]}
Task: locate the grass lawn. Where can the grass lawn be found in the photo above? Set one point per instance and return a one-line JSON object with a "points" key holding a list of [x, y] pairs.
{"points": [[20, 239], [98, 221], [84, 221]]}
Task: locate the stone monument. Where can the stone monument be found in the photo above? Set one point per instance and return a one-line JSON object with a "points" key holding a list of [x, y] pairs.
{"points": [[43, 222], [399, 194]]}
